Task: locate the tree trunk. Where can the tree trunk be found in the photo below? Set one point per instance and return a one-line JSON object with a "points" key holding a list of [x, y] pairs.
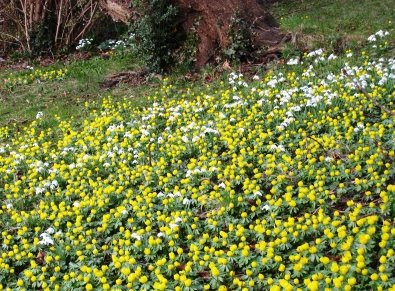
{"points": [[212, 20]]}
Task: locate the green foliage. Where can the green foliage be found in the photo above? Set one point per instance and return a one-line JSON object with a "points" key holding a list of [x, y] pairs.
{"points": [[240, 44], [157, 31], [186, 54], [41, 38]]}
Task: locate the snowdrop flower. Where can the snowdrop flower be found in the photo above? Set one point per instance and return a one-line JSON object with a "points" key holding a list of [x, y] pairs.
{"points": [[319, 59], [266, 207], [39, 115], [39, 190], [382, 33], [50, 230], [46, 239], [315, 53], [281, 148], [256, 77], [349, 55], [292, 62], [136, 236], [54, 185], [372, 38], [222, 185], [281, 127], [273, 147], [328, 159], [186, 201], [9, 206], [332, 57], [185, 139], [173, 225], [160, 234]]}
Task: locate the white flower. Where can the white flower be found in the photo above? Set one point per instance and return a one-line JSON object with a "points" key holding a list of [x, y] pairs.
{"points": [[281, 148], [256, 77], [273, 147], [46, 239], [39, 190], [54, 185], [372, 38], [50, 230], [315, 53], [382, 33], [292, 62], [222, 185], [160, 234], [332, 57], [39, 115], [266, 207], [328, 159], [173, 225], [349, 55], [9, 206], [186, 201], [136, 236]]}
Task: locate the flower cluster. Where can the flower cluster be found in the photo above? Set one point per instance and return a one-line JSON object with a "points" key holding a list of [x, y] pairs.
{"points": [[120, 44], [84, 44], [379, 34], [30, 76], [285, 182]]}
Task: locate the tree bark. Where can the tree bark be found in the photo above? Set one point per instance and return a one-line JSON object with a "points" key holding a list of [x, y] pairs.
{"points": [[212, 20]]}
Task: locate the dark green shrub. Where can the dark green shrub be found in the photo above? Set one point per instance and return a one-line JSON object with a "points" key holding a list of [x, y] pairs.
{"points": [[240, 45], [158, 33], [41, 38]]}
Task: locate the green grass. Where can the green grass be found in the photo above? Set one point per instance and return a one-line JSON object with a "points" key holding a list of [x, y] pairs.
{"points": [[336, 25], [66, 97]]}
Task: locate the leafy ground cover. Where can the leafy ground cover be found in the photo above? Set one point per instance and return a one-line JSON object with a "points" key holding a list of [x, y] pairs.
{"points": [[284, 181]]}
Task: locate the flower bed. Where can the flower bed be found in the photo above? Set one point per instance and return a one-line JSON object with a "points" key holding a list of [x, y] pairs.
{"points": [[283, 182]]}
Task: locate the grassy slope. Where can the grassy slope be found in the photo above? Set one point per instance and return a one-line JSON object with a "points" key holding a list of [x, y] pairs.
{"points": [[65, 97], [334, 24]]}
